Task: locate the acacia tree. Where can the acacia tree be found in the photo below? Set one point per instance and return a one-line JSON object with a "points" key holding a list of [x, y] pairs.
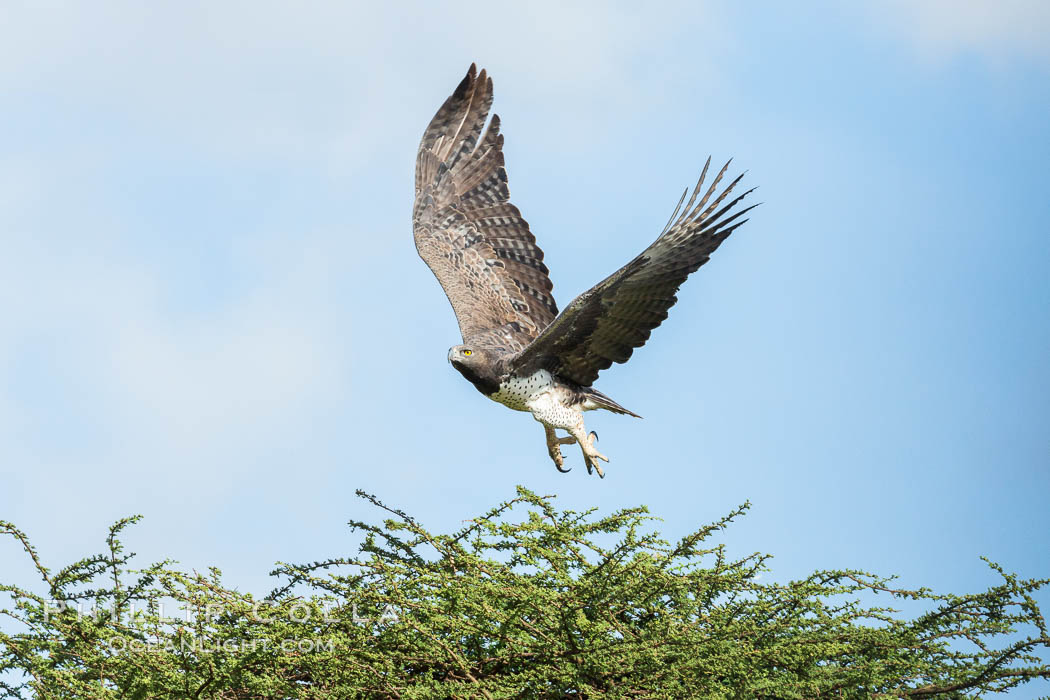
{"points": [[525, 601]]}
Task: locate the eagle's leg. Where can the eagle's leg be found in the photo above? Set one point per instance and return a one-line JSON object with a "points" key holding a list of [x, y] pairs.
{"points": [[590, 454], [554, 444]]}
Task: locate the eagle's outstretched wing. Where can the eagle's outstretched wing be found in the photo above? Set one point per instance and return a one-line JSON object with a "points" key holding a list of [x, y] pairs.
{"points": [[474, 240], [606, 323]]}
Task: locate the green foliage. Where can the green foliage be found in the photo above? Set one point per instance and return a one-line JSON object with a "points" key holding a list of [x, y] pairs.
{"points": [[525, 601]]}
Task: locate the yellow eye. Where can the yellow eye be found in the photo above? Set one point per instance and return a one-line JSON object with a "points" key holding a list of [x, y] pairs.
{"points": [[468, 353]]}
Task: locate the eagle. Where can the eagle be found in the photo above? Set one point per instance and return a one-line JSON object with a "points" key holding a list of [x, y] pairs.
{"points": [[517, 349]]}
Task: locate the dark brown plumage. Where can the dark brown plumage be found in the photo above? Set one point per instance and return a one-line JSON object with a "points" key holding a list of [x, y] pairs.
{"points": [[607, 322], [516, 348]]}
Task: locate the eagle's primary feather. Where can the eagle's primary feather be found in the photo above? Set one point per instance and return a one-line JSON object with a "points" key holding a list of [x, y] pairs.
{"points": [[516, 348]]}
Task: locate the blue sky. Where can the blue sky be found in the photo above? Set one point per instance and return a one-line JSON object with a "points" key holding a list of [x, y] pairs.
{"points": [[215, 315]]}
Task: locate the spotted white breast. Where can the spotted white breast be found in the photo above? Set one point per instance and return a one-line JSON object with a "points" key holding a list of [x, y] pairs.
{"points": [[516, 392]]}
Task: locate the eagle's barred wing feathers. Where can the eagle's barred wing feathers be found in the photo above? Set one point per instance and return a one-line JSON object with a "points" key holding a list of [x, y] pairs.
{"points": [[474, 240], [606, 323]]}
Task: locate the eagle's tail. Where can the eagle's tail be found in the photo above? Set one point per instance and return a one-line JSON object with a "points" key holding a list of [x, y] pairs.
{"points": [[592, 399]]}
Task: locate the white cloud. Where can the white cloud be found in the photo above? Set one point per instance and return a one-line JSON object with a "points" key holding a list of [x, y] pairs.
{"points": [[336, 81], [169, 387], [943, 29]]}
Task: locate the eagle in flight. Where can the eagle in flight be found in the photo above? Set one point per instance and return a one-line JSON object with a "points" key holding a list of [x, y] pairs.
{"points": [[517, 349]]}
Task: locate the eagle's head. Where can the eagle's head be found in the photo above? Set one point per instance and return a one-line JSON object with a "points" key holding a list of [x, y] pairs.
{"points": [[476, 364], [466, 355]]}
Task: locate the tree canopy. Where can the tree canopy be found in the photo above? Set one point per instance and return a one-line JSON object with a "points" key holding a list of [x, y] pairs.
{"points": [[524, 601]]}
